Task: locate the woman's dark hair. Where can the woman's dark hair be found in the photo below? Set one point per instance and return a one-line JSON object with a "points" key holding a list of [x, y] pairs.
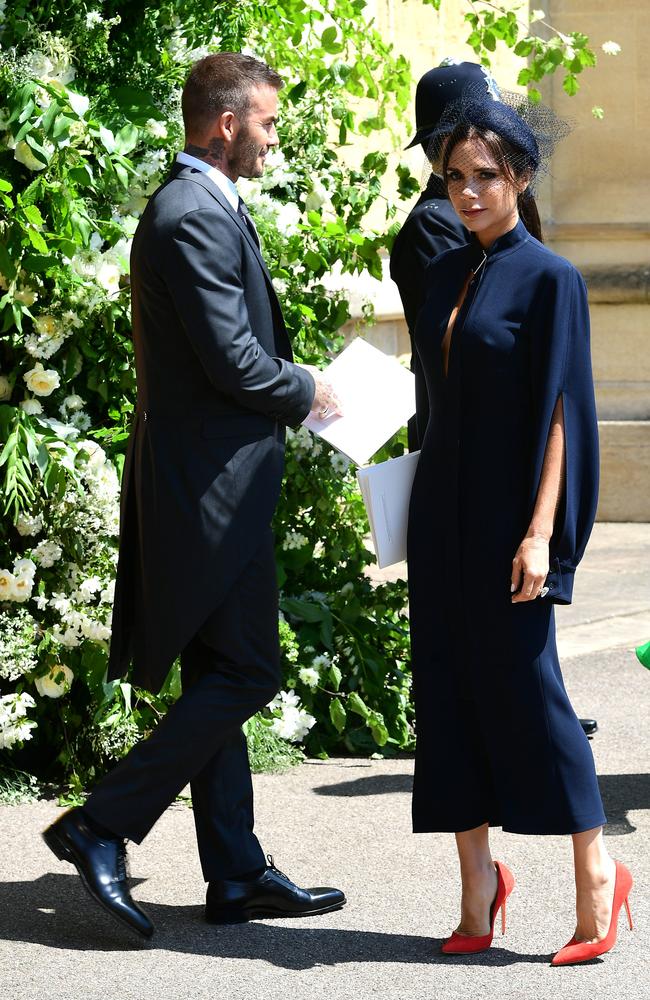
{"points": [[223, 82], [514, 163]]}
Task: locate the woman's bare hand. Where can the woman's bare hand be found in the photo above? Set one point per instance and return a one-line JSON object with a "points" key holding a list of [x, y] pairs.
{"points": [[529, 569]]}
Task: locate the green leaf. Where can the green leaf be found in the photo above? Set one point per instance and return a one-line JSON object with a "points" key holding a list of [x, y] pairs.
{"points": [[303, 610], [378, 728], [126, 139], [107, 139], [335, 676], [136, 104], [356, 704], [32, 214], [338, 715], [570, 85], [328, 40], [489, 41], [297, 92], [524, 47], [37, 241]]}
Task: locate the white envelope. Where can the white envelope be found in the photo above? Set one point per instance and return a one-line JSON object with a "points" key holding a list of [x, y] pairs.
{"points": [[377, 395], [386, 492]]}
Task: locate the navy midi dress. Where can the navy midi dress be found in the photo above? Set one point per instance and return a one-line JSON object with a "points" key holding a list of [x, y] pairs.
{"points": [[497, 739]]}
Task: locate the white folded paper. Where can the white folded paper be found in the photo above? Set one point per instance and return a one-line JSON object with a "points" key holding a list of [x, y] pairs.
{"points": [[377, 395], [386, 492]]}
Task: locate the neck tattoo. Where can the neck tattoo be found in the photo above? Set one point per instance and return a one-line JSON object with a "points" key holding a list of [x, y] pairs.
{"points": [[213, 153]]}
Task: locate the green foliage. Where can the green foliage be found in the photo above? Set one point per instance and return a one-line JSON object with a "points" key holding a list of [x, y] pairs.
{"points": [[89, 123], [491, 23]]}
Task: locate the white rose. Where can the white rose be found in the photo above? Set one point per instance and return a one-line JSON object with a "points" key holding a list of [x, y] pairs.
{"points": [[42, 381], [56, 682], [25, 567], [5, 388], [108, 276], [23, 586], [7, 585], [96, 454], [31, 406], [72, 403], [24, 155]]}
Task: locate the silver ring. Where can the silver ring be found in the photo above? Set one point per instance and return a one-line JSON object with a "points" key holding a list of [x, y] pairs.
{"points": [[325, 410]]}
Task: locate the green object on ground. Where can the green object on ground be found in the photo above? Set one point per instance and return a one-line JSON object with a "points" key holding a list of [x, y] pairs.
{"points": [[643, 653]]}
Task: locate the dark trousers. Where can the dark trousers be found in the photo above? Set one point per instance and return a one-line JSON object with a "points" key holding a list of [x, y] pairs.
{"points": [[230, 670]]}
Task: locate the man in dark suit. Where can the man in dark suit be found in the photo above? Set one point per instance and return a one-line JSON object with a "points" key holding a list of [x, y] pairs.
{"points": [[196, 576], [432, 226]]}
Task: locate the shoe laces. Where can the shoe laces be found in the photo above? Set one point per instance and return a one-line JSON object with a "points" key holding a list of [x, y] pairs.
{"points": [[269, 858], [122, 863]]}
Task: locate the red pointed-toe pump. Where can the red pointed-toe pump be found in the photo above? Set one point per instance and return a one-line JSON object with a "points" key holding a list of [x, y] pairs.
{"points": [[583, 951], [465, 944]]}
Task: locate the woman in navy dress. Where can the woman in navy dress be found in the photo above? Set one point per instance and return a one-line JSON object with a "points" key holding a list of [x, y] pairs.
{"points": [[502, 506]]}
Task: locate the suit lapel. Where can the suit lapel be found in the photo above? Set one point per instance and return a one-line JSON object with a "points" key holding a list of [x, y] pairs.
{"points": [[198, 177]]}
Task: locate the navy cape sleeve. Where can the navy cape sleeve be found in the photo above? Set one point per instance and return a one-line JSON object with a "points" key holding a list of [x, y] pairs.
{"points": [[561, 365]]}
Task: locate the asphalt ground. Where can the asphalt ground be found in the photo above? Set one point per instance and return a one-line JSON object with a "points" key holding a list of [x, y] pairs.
{"points": [[347, 823]]}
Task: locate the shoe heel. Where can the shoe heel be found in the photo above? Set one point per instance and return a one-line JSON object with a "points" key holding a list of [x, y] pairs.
{"points": [[55, 845], [224, 915], [629, 913], [503, 917]]}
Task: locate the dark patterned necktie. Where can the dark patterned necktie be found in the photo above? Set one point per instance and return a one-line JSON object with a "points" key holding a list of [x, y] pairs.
{"points": [[245, 216]]}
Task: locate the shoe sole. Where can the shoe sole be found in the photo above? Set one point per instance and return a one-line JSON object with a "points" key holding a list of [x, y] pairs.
{"points": [[63, 853], [243, 916]]}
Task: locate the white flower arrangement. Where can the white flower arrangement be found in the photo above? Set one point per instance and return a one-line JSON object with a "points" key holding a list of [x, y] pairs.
{"points": [[15, 728], [294, 540], [47, 553], [291, 722], [26, 525], [18, 639]]}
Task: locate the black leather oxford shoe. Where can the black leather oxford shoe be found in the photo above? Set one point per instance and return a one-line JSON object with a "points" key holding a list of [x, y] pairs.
{"points": [[271, 894], [101, 864], [590, 726]]}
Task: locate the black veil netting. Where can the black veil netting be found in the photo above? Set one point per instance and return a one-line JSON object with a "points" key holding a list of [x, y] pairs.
{"points": [[531, 128]]}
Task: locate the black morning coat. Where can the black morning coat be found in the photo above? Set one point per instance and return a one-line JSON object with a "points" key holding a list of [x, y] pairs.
{"points": [[431, 227], [216, 388], [498, 740]]}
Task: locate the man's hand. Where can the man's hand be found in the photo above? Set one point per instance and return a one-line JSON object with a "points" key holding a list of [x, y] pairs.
{"points": [[326, 403]]}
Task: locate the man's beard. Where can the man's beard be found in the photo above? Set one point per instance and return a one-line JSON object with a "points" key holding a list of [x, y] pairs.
{"points": [[246, 156]]}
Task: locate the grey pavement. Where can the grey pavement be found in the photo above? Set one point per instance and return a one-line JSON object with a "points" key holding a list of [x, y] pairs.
{"points": [[347, 822]]}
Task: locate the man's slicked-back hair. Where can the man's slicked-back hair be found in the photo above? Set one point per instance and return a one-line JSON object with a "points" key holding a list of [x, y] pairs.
{"points": [[223, 82]]}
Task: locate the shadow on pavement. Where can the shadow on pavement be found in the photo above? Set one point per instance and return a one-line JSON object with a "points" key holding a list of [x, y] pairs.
{"points": [[54, 911], [621, 794], [373, 784]]}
